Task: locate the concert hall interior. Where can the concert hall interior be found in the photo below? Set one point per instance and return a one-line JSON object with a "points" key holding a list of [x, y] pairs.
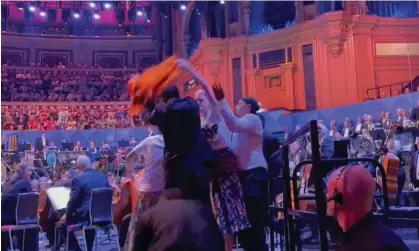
{"points": [[210, 125]]}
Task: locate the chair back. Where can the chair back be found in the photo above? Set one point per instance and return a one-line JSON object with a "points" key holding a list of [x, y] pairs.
{"points": [[27, 208], [101, 206]]}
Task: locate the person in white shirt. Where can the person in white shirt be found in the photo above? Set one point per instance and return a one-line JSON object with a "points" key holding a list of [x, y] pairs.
{"points": [[226, 191], [247, 139], [149, 181]]}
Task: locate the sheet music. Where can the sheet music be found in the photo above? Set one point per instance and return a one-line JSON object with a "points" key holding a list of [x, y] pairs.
{"points": [[59, 197]]}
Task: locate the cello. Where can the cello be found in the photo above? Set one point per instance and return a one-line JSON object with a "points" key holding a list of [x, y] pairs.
{"points": [[122, 201], [391, 164]]}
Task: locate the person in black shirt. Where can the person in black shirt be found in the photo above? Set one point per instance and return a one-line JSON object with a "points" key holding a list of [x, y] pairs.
{"points": [[19, 183], [177, 224], [350, 193]]}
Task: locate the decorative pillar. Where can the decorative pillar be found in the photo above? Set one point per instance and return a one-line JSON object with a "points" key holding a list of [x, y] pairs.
{"points": [[316, 9], [168, 46], [299, 11], [288, 78], [212, 58], [356, 7], [186, 41], [157, 29], [227, 19], [246, 5]]}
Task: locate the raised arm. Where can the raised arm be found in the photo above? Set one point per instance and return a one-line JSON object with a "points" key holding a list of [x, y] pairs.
{"points": [[205, 86], [249, 123]]}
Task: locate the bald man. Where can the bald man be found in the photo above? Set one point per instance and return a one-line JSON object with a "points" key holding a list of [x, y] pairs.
{"points": [[350, 194], [78, 206]]}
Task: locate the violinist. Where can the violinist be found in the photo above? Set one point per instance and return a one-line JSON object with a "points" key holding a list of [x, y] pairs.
{"points": [[112, 180], [78, 147], [53, 215], [104, 164], [77, 211]]}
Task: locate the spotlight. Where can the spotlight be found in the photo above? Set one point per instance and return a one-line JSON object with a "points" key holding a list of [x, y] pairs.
{"points": [[96, 16], [183, 7], [107, 5], [20, 8], [148, 20], [222, 2], [139, 13], [42, 14], [92, 4], [76, 15], [31, 8]]}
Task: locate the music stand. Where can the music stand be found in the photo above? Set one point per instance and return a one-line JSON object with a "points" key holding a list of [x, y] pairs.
{"points": [[59, 197], [404, 142], [379, 134]]}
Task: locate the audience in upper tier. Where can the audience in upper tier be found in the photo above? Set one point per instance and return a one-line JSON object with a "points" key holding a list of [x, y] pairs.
{"points": [[59, 86]]}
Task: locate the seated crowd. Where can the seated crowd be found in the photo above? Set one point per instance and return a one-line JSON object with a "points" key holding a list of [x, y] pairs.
{"points": [[43, 85], [67, 117]]}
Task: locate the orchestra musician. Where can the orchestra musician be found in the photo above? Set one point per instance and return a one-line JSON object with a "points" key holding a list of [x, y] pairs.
{"points": [[53, 215], [414, 176], [40, 146], [92, 148], [112, 180], [52, 154], [350, 194], [77, 211], [41, 142], [19, 183], [401, 176], [78, 147]]}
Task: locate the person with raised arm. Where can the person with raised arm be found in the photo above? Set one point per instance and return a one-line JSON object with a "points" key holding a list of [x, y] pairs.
{"points": [[246, 143], [226, 191]]}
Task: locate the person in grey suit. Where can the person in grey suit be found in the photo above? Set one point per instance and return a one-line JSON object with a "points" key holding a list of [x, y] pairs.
{"points": [[77, 211]]}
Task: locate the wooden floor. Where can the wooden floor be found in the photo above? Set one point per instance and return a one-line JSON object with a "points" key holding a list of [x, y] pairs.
{"points": [[410, 237]]}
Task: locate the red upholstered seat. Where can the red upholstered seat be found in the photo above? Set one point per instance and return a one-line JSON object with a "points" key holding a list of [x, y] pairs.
{"points": [[7, 228]]}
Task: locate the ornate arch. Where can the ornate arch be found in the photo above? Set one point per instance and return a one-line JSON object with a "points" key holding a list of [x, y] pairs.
{"points": [[184, 29]]}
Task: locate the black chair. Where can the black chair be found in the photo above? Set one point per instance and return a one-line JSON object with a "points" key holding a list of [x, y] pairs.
{"points": [[100, 215], [26, 216]]}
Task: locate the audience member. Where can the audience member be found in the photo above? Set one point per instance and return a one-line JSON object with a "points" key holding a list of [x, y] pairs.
{"points": [[77, 211], [176, 223], [19, 183]]}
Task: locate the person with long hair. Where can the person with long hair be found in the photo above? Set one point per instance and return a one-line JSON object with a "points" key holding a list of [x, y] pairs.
{"points": [[246, 142], [226, 190]]}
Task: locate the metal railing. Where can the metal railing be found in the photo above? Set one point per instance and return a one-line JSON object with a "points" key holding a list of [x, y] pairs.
{"points": [[319, 196]]}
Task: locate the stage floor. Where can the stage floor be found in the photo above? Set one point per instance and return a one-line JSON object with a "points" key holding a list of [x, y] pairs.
{"points": [[410, 237]]}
